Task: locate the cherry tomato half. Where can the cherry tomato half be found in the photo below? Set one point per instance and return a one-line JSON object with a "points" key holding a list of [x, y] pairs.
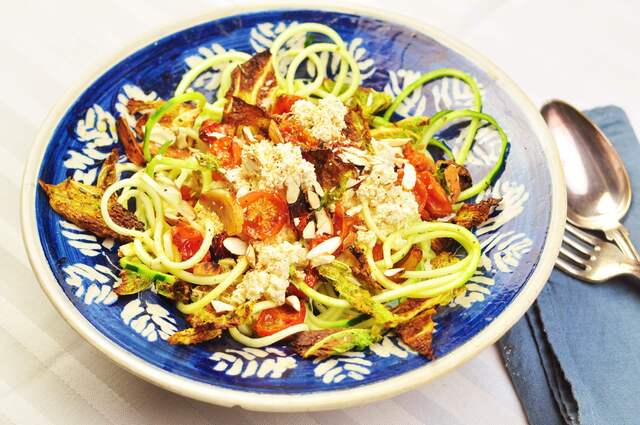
{"points": [[219, 137], [293, 132], [278, 318], [432, 199], [343, 225], [265, 214], [188, 241], [284, 103], [420, 161]]}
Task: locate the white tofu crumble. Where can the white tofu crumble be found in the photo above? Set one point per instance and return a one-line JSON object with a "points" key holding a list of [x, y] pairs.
{"points": [[365, 239], [270, 278], [392, 207], [268, 166], [325, 121]]}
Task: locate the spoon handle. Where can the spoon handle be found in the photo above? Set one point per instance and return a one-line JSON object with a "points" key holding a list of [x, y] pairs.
{"points": [[620, 235]]}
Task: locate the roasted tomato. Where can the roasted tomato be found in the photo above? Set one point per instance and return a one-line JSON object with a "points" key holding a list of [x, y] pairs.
{"points": [[283, 104], [377, 251], [293, 132], [219, 137], [420, 161], [265, 214], [188, 241], [185, 192], [276, 319], [432, 199], [343, 226]]}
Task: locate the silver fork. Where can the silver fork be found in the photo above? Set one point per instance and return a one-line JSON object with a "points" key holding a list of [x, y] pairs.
{"points": [[591, 259]]}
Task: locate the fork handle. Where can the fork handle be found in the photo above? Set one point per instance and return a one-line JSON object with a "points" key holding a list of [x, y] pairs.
{"points": [[631, 268], [620, 235]]}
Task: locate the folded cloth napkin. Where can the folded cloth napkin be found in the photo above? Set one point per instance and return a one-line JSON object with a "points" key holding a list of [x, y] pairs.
{"points": [[575, 356]]}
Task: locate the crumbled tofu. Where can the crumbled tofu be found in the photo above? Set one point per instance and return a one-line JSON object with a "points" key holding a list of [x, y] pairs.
{"points": [[365, 239], [270, 278], [325, 121], [392, 208], [268, 166]]}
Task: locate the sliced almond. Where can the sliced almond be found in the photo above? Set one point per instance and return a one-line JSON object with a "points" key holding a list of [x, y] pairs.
{"points": [[293, 191], [293, 301], [325, 248], [409, 177], [235, 246], [354, 159], [274, 133], [321, 260], [251, 256], [393, 272], [309, 231], [221, 307], [324, 225], [314, 199], [353, 210], [251, 165], [248, 134], [352, 182], [318, 188], [242, 190]]}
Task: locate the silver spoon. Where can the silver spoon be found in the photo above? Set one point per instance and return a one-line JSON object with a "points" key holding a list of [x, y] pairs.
{"points": [[598, 187]]}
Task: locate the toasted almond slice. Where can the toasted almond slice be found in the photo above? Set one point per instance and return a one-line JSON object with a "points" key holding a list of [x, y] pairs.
{"points": [[354, 159], [242, 190], [352, 182], [293, 301], [393, 272], [309, 231], [293, 191], [318, 188], [409, 177], [353, 210], [251, 256], [235, 246], [324, 225], [321, 260], [248, 134], [251, 165], [274, 132], [314, 199], [325, 248], [221, 307]]}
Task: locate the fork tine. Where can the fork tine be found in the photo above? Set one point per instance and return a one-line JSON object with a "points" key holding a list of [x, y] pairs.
{"points": [[582, 235], [577, 245], [569, 253], [569, 268]]}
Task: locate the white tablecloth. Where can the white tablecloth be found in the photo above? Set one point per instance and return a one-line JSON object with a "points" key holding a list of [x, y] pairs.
{"points": [[585, 52]]}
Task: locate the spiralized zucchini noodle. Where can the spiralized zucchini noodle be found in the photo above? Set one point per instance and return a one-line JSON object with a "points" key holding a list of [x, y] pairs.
{"points": [[155, 193]]}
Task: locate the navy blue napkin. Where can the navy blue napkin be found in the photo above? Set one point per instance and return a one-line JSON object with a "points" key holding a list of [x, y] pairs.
{"points": [[575, 356]]}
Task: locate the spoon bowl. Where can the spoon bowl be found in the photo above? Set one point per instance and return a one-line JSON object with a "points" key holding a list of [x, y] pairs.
{"points": [[598, 186]]}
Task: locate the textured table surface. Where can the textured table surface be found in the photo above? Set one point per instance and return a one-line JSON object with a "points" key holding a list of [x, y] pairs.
{"points": [[586, 54]]}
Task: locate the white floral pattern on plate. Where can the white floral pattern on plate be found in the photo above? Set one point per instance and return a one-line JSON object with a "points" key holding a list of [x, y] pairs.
{"points": [[97, 132], [94, 285], [446, 93], [149, 320], [85, 242], [350, 365], [248, 362]]}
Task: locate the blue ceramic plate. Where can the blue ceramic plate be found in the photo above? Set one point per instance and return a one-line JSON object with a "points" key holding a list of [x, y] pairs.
{"points": [[77, 272]]}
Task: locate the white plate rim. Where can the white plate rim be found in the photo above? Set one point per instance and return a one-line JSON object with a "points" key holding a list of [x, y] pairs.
{"points": [[314, 401]]}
